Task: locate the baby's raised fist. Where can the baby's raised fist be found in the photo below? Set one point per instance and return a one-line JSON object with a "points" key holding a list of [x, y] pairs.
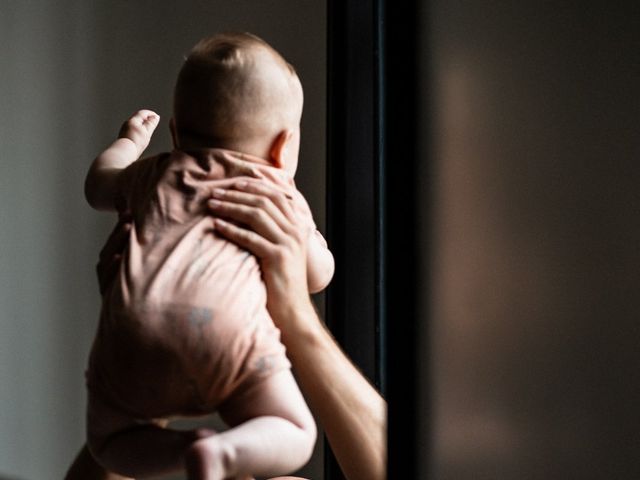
{"points": [[139, 128]]}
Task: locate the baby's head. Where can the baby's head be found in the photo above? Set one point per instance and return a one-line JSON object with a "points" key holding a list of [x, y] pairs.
{"points": [[235, 91]]}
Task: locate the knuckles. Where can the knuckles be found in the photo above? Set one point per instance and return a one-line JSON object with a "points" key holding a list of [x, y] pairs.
{"points": [[280, 198], [262, 203], [278, 255]]}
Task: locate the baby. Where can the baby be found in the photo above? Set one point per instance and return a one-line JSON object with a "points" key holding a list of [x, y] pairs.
{"points": [[184, 329]]}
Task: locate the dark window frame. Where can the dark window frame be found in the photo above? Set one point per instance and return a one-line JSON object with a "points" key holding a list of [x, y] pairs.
{"points": [[371, 208]]}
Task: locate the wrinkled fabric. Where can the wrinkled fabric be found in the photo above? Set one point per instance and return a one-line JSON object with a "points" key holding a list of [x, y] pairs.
{"points": [[184, 323]]}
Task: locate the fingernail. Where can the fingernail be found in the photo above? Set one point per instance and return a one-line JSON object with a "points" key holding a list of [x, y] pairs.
{"points": [[218, 192], [241, 184], [215, 203]]}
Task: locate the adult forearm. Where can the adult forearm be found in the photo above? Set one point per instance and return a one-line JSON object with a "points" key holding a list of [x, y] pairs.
{"points": [[350, 410]]}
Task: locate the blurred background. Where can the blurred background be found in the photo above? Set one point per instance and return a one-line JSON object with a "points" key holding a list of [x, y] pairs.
{"points": [[535, 262], [70, 72], [527, 178]]}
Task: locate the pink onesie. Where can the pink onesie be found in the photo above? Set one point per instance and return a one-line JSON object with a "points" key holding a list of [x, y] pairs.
{"points": [[184, 324]]}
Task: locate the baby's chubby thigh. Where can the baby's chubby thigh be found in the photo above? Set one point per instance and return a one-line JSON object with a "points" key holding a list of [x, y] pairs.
{"points": [[276, 395], [272, 425]]}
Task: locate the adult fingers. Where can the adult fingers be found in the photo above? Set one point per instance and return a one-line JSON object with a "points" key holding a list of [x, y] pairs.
{"points": [[244, 238], [289, 200], [262, 202], [257, 219], [280, 196]]}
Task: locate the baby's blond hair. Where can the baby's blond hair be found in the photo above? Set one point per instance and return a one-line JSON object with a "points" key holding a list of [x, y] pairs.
{"points": [[234, 88]]}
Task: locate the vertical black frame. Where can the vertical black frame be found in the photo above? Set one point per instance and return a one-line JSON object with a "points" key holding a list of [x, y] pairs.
{"points": [[351, 183], [372, 212], [353, 300], [405, 181]]}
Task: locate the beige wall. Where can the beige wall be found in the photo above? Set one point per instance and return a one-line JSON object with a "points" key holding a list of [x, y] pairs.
{"points": [[70, 72]]}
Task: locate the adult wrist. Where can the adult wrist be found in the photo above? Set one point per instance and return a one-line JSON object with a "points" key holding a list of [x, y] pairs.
{"points": [[298, 322]]}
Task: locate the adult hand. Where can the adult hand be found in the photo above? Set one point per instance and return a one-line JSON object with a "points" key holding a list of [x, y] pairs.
{"points": [[351, 411], [264, 220]]}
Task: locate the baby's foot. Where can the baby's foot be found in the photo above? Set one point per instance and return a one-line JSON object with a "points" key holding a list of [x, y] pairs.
{"points": [[206, 459], [139, 128]]}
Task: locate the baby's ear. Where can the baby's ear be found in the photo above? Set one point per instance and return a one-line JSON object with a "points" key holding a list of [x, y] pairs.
{"points": [[278, 151]]}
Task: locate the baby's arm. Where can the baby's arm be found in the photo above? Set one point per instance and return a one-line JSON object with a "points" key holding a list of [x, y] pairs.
{"points": [[320, 263], [102, 185]]}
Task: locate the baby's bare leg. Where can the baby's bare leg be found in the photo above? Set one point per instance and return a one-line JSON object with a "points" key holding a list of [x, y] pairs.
{"points": [[273, 434], [127, 447]]}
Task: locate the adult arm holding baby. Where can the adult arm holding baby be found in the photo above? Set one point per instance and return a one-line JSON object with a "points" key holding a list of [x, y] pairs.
{"points": [[350, 410]]}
